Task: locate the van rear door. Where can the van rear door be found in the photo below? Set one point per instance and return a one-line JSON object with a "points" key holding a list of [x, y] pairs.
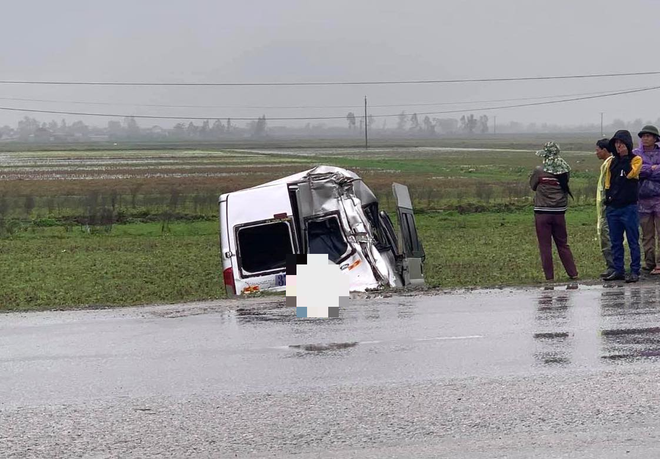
{"points": [[261, 233], [411, 246]]}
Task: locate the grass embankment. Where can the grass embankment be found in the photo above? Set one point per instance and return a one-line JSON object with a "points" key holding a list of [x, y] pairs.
{"points": [[138, 263], [491, 249], [135, 264]]}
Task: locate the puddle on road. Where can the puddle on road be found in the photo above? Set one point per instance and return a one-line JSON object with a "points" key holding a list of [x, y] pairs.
{"points": [[631, 329], [323, 347], [251, 316], [555, 335], [627, 328]]}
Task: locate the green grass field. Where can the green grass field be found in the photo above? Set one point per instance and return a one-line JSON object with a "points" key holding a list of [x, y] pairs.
{"points": [[121, 227], [137, 263]]}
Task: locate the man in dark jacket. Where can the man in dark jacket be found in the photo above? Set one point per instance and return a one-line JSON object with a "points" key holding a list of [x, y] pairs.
{"points": [[621, 185]]}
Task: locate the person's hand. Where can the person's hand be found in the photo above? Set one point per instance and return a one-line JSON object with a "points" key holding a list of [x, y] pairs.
{"points": [[654, 167]]}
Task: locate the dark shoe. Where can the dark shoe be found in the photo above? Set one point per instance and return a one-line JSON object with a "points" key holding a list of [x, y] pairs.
{"points": [[630, 278], [607, 273], [615, 276], [648, 269]]}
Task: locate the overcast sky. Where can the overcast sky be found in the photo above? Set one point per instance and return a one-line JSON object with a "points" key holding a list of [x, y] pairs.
{"points": [[338, 40]]}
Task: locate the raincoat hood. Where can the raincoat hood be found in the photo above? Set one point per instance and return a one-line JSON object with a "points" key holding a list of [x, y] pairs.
{"points": [[625, 137]]}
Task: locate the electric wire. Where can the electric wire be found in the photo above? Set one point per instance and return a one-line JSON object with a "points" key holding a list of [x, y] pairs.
{"points": [[329, 83], [319, 118], [301, 107]]}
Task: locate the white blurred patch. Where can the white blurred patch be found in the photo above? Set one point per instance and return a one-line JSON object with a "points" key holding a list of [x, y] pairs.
{"points": [[320, 284]]}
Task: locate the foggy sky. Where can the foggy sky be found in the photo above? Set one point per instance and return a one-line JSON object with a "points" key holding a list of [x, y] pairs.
{"points": [[338, 40]]}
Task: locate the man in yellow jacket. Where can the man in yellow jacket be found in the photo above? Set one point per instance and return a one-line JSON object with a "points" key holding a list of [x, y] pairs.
{"points": [[601, 224]]}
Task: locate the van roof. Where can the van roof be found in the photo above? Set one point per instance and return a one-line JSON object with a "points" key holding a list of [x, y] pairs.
{"points": [[330, 173], [319, 170]]}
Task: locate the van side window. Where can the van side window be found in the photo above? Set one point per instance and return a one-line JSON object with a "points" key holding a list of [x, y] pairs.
{"points": [[325, 236], [371, 212], [264, 247], [388, 230]]}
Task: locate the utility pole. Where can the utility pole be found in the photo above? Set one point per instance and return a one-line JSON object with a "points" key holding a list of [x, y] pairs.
{"points": [[495, 125], [366, 124], [601, 124]]}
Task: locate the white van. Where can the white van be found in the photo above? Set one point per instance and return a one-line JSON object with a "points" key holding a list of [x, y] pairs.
{"points": [[322, 210]]}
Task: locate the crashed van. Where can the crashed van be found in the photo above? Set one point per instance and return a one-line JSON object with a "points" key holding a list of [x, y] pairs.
{"points": [[325, 210]]}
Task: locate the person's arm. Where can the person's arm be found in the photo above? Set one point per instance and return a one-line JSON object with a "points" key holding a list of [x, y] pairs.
{"points": [[632, 168], [653, 175], [607, 181], [534, 179], [647, 170]]}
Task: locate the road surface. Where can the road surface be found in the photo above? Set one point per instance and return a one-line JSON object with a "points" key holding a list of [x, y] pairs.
{"points": [[510, 373]]}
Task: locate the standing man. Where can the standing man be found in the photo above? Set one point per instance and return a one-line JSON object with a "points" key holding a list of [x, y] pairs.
{"points": [[621, 187], [601, 224], [550, 183], [649, 196]]}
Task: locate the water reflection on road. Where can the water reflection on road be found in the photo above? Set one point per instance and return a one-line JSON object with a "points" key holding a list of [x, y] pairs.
{"points": [[625, 330], [553, 340], [586, 328], [520, 332], [631, 324]]}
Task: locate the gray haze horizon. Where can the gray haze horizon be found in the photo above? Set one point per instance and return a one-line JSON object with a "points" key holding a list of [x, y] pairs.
{"points": [[298, 40]]}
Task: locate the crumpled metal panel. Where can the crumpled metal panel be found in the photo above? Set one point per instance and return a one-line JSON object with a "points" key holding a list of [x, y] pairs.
{"points": [[328, 189]]}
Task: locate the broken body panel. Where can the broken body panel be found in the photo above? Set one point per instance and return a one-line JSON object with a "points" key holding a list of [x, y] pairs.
{"points": [[323, 210]]}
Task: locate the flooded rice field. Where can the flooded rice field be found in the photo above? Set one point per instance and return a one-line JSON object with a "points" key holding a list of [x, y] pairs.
{"points": [[157, 164], [113, 165], [438, 177]]}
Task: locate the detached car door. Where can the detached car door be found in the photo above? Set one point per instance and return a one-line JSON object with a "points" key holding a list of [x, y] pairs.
{"points": [[411, 246]]}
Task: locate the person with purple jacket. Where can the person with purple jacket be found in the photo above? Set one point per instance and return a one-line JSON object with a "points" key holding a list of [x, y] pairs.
{"points": [[649, 196]]}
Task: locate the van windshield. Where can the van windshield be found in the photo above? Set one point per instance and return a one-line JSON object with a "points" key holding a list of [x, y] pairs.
{"points": [[325, 236], [264, 247]]}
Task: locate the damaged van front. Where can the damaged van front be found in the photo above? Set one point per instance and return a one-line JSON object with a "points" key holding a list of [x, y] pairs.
{"points": [[325, 210]]}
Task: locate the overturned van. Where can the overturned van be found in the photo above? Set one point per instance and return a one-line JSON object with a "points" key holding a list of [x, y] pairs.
{"points": [[325, 210]]}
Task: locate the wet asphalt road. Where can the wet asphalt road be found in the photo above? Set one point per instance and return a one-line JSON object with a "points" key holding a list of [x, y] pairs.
{"points": [[511, 373]]}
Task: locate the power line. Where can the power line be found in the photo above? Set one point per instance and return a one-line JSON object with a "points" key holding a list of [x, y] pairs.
{"points": [[533, 104], [237, 107], [318, 118], [287, 107], [332, 83], [421, 104]]}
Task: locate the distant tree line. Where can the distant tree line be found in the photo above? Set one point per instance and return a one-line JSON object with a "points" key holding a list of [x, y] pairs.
{"points": [[31, 129]]}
